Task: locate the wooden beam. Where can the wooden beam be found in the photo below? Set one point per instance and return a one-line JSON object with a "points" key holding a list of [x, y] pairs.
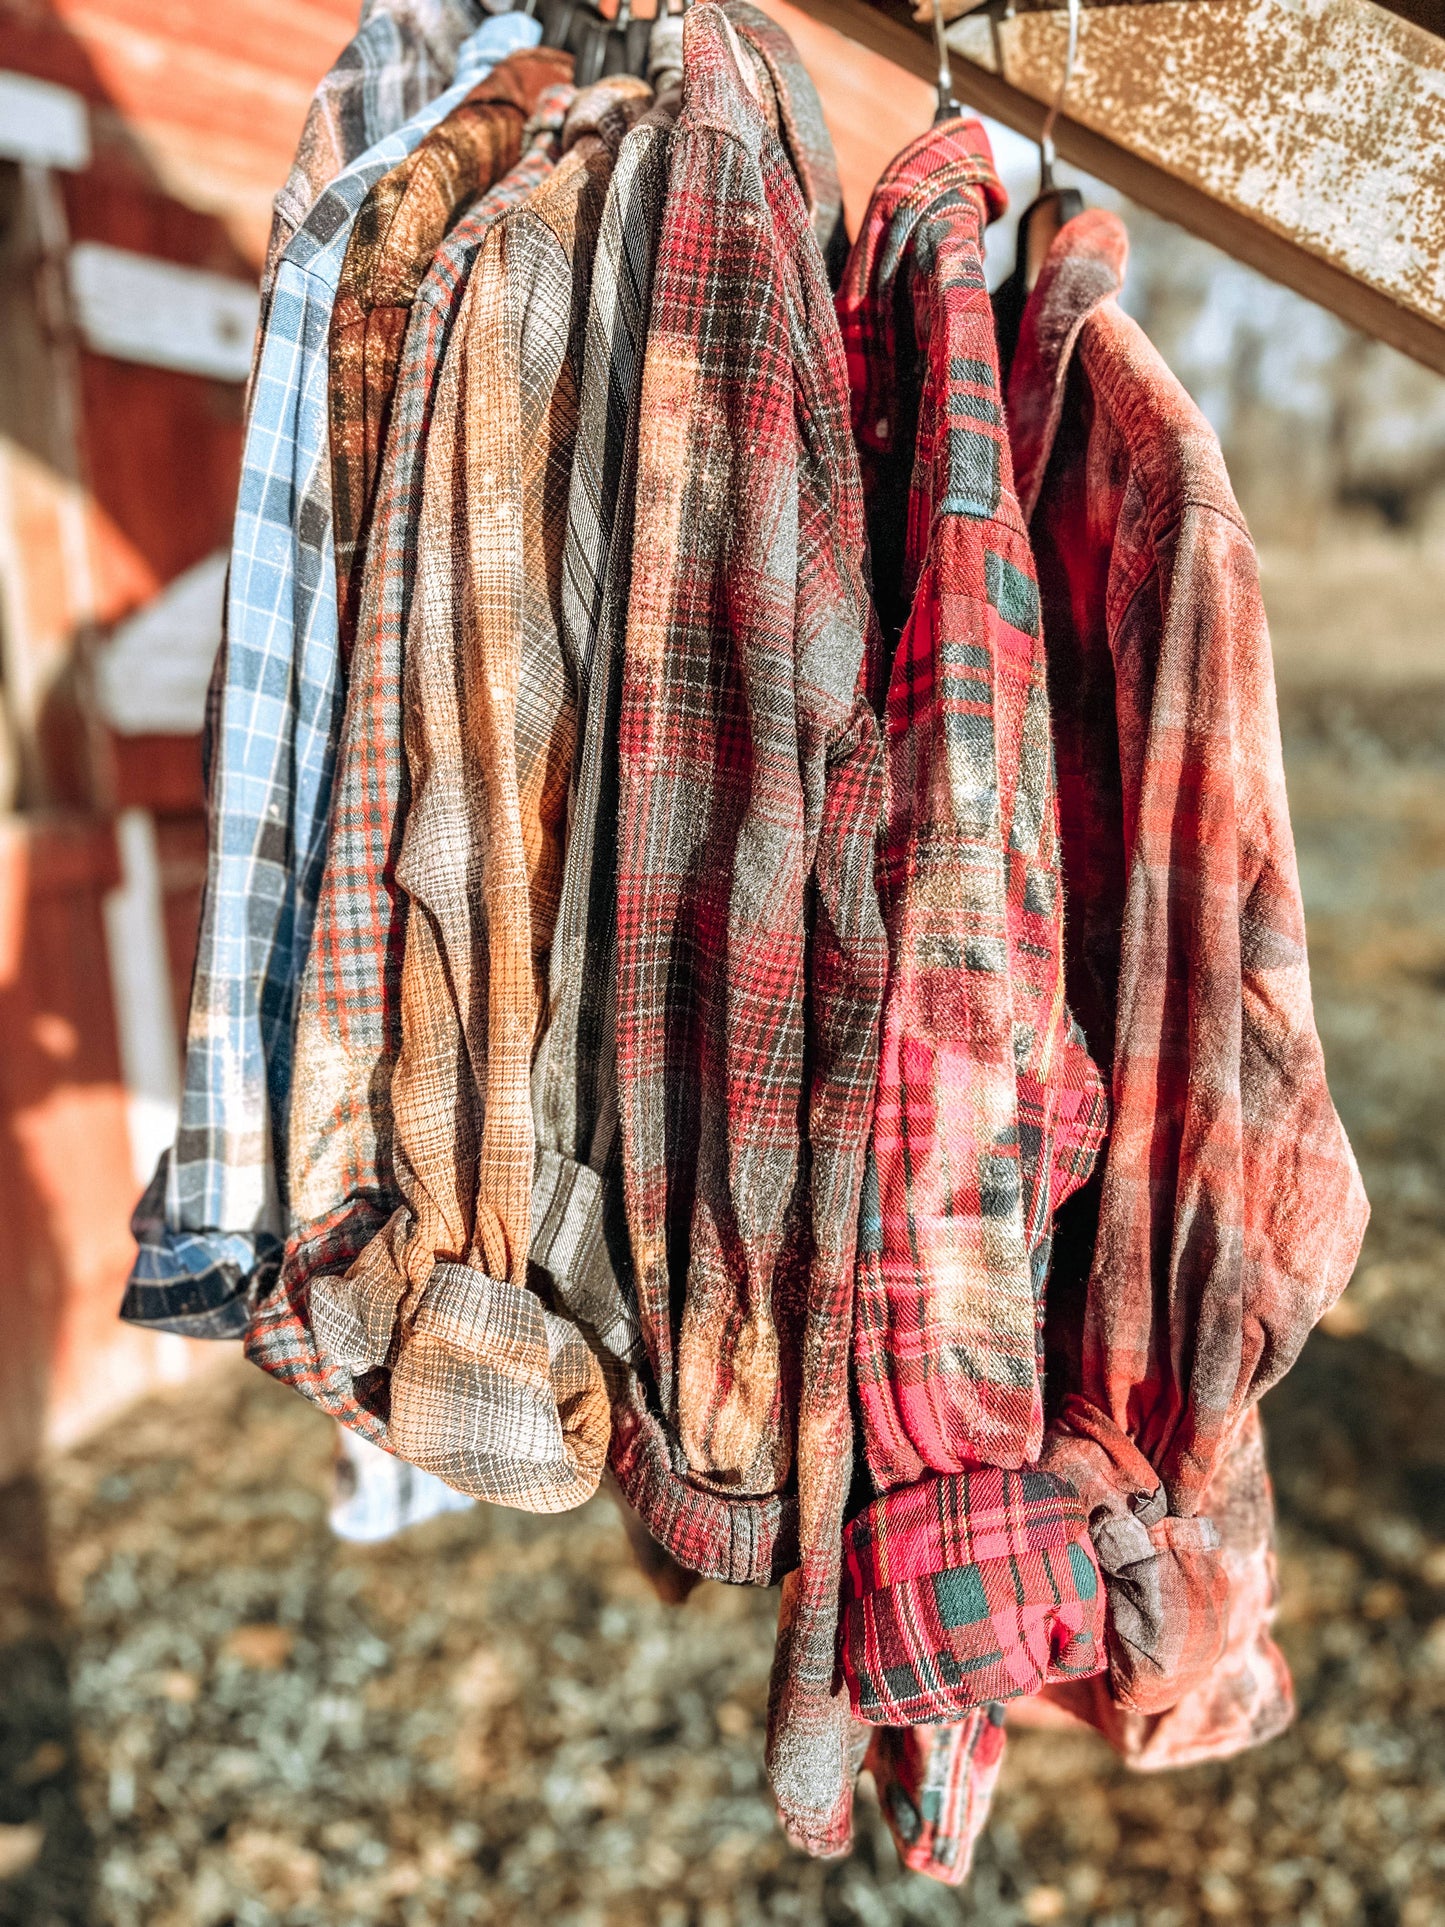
{"points": [[1303, 137]]}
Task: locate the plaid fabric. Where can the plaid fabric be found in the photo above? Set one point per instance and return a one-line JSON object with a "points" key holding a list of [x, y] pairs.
{"points": [[989, 1111], [581, 1240], [962, 1591], [403, 55], [795, 114], [1229, 1211], [574, 1082], [936, 1784], [402, 223], [574, 1077], [750, 792], [488, 1387], [276, 715], [348, 1024], [1247, 1697]]}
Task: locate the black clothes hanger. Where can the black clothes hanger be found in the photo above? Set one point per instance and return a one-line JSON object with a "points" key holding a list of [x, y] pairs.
{"points": [[565, 23], [625, 48], [1041, 220]]}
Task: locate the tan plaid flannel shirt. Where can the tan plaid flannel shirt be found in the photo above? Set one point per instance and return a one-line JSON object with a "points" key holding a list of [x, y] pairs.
{"points": [[401, 224], [490, 1388]]}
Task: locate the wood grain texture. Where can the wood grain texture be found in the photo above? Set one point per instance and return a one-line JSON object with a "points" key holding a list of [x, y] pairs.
{"points": [[1304, 137]]}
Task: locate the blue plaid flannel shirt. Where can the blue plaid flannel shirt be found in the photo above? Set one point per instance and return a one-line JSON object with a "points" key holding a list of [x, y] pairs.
{"points": [[212, 1219]]}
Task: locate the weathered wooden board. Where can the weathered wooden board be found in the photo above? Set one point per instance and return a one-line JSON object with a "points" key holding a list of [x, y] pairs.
{"points": [[205, 100], [1305, 137], [135, 308]]}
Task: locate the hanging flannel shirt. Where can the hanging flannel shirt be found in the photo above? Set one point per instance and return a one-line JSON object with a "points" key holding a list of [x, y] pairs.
{"points": [[348, 1023], [935, 1786], [215, 1210], [970, 1577], [402, 55], [579, 1231], [931, 1788], [402, 223], [1228, 1212], [795, 114], [745, 1539], [488, 1386], [750, 956]]}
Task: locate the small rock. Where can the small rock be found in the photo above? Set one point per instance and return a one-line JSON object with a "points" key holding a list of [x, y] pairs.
{"points": [[1432, 1647], [44, 1763], [1346, 1318], [264, 1648], [1383, 1600], [19, 1850], [1044, 1904], [183, 1689]]}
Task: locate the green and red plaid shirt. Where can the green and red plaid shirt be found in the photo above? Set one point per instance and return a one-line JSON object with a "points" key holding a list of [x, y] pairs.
{"points": [[989, 1111], [969, 1579], [1228, 1212]]}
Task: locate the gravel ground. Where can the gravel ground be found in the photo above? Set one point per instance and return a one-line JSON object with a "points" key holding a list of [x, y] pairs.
{"points": [[213, 1715]]}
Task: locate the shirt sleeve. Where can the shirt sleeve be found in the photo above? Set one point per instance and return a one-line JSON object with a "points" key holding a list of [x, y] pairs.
{"points": [[1230, 1211]]}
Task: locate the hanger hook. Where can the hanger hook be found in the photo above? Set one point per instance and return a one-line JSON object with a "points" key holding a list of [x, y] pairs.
{"points": [[948, 107], [1047, 155]]}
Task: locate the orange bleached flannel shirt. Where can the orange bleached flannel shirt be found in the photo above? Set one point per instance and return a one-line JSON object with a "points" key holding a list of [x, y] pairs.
{"points": [[490, 1388], [1228, 1211]]}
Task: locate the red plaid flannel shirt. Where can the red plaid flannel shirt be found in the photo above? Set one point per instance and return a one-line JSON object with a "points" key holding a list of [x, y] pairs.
{"points": [[975, 1583], [751, 957], [989, 1111], [1229, 1211]]}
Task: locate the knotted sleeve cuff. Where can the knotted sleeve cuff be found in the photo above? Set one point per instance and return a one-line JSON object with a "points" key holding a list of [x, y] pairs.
{"points": [[1164, 1577]]}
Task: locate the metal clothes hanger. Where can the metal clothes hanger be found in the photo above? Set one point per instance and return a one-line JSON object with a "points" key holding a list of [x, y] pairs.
{"points": [[1042, 218], [621, 45], [627, 42], [570, 24], [1052, 205], [948, 107]]}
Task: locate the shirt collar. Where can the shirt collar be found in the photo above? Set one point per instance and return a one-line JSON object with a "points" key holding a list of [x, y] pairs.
{"points": [[715, 90], [952, 159], [548, 116], [800, 123], [503, 34], [1084, 268], [606, 110]]}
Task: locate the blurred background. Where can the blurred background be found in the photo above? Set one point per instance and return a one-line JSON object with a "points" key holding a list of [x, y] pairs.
{"points": [[212, 1712]]}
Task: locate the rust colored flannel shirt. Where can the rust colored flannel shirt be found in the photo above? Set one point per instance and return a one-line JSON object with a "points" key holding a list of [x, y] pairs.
{"points": [[1228, 1211], [750, 954], [489, 1388], [342, 1181], [398, 229]]}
